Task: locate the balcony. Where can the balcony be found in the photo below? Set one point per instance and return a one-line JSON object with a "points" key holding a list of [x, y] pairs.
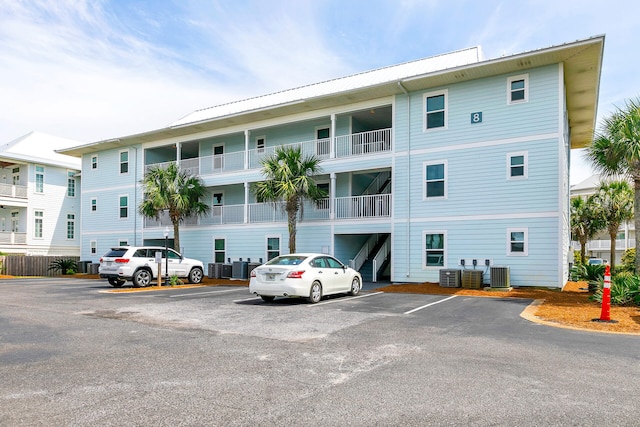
{"points": [[13, 238], [346, 208], [357, 144], [15, 191]]}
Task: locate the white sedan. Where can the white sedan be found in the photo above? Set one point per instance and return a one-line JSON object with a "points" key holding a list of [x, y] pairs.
{"points": [[305, 275]]}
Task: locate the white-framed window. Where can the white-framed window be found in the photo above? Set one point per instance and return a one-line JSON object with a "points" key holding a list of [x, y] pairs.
{"points": [[517, 165], [273, 247], [435, 110], [16, 176], [123, 242], [435, 249], [93, 247], [15, 221], [216, 204], [219, 249], [124, 206], [38, 224], [323, 141], [518, 89], [39, 179], [218, 157], [71, 226], [518, 242], [261, 142], [94, 162], [435, 180], [323, 203], [124, 162], [71, 184], [94, 204]]}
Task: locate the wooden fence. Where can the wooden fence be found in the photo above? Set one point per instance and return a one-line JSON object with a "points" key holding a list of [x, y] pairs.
{"points": [[19, 265]]}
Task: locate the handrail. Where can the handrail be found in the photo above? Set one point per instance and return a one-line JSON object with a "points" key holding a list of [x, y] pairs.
{"points": [[362, 255], [381, 256]]}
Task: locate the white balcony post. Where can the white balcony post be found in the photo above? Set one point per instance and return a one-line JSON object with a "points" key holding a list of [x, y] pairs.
{"points": [[332, 138], [247, 134], [332, 195], [178, 153], [246, 202]]}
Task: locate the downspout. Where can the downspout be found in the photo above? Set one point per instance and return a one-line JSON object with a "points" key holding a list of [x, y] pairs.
{"points": [[135, 197], [408, 236]]}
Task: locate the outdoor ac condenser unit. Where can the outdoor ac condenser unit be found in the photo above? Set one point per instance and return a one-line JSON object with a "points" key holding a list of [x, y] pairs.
{"points": [[450, 278], [500, 277], [472, 279]]}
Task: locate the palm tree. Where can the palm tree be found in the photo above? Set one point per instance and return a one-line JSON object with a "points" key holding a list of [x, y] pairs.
{"points": [[173, 190], [289, 179], [616, 151], [616, 202], [585, 222]]}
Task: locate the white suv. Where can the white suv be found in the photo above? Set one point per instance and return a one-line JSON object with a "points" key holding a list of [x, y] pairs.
{"points": [[138, 264]]}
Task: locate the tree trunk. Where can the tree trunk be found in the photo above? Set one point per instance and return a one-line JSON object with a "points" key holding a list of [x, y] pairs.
{"points": [[612, 252], [292, 214], [636, 218], [583, 251], [176, 236]]}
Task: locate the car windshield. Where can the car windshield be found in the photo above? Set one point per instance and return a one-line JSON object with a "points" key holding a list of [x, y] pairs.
{"points": [[116, 252], [287, 260]]}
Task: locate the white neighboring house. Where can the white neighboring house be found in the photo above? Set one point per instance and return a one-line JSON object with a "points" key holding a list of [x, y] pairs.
{"points": [[39, 197], [600, 246]]}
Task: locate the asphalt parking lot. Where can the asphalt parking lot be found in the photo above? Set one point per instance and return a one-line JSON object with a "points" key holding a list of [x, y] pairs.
{"points": [[73, 353]]}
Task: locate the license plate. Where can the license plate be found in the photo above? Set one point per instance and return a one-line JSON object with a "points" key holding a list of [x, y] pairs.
{"points": [[108, 263], [270, 277]]}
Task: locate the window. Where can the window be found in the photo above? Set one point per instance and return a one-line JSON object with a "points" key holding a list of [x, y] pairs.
{"points": [[434, 249], [93, 247], [323, 142], [94, 204], [71, 226], [517, 238], [124, 162], [37, 231], [517, 165], [273, 247], [518, 89], [94, 162], [216, 205], [15, 221], [124, 206], [123, 242], [435, 180], [71, 184], [39, 179], [218, 250], [435, 104], [323, 203], [16, 176], [260, 143]]}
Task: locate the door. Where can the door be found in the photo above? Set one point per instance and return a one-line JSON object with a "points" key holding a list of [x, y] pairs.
{"points": [[176, 267], [218, 158]]}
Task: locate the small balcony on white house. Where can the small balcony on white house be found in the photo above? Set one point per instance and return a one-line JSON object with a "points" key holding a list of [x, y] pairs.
{"points": [[13, 238], [331, 137]]}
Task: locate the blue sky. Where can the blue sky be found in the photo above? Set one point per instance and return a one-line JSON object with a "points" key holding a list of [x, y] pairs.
{"points": [[95, 69]]}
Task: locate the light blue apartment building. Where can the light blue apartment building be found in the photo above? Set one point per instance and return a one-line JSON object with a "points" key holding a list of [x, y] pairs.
{"points": [[428, 164]]}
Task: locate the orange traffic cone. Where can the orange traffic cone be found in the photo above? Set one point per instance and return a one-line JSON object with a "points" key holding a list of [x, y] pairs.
{"points": [[605, 312]]}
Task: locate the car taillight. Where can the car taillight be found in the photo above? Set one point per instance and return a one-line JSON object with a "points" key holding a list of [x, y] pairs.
{"points": [[253, 273], [121, 260], [101, 260], [295, 274]]}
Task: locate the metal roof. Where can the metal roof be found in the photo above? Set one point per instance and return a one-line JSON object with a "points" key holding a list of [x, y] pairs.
{"points": [[36, 147], [582, 62]]}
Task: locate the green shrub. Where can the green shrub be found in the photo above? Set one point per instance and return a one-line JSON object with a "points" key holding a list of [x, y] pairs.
{"points": [[628, 262], [625, 290], [592, 274], [63, 265], [175, 281]]}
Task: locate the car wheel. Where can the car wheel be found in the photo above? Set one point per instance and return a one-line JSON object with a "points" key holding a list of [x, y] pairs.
{"points": [[195, 275], [355, 287], [315, 294], [267, 298], [115, 282], [142, 278]]}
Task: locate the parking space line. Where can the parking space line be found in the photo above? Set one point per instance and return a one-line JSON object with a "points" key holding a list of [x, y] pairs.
{"points": [[429, 305], [344, 299], [209, 292]]}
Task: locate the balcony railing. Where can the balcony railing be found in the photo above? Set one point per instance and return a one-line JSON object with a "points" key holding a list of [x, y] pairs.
{"points": [[13, 238], [353, 207], [621, 244], [17, 191], [356, 144]]}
